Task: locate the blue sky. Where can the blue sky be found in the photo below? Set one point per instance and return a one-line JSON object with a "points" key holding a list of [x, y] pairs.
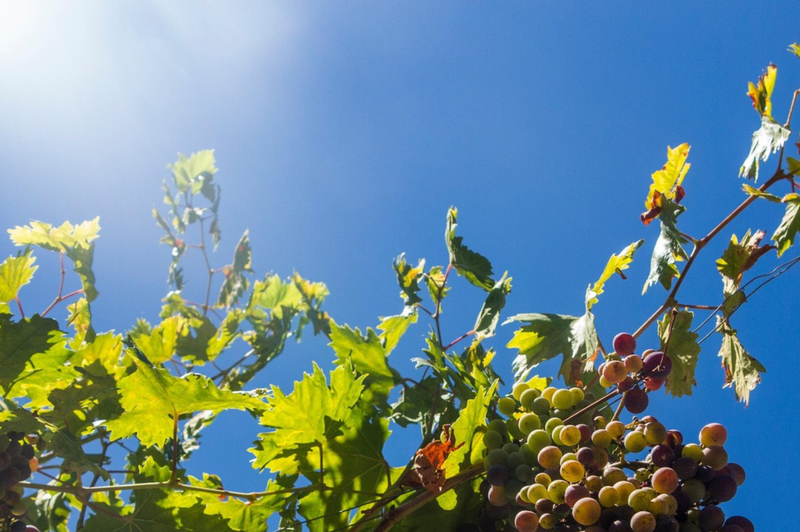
{"points": [[344, 130]]}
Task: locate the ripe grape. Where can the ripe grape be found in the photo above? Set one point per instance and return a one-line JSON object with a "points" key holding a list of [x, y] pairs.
{"points": [[655, 433], [572, 471], [636, 400], [643, 521], [711, 518], [662, 455], [570, 435], [614, 371], [498, 475], [635, 442], [586, 511], [526, 521], [722, 488], [608, 496], [653, 384], [624, 344], [657, 365], [742, 522], [575, 493], [685, 467], [713, 434], [715, 456], [665, 480], [550, 457]]}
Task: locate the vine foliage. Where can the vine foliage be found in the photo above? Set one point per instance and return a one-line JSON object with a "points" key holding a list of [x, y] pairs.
{"points": [[120, 414]]}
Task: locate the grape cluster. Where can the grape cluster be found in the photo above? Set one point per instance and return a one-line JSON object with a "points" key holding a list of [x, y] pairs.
{"points": [[17, 462], [553, 464]]}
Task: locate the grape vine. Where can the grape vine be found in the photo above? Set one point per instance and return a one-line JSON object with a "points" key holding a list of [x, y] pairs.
{"points": [[97, 427]]}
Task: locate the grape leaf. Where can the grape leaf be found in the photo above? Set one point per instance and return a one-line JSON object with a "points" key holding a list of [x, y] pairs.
{"points": [[367, 355], [489, 315], [20, 341], [545, 336], [431, 518], [667, 181], [435, 281], [739, 257], [408, 278], [467, 430], [795, 49], [767, 139], [195, 172], [235, 283], [752, 191], [683, 351], [761, 94], [275, 295], [784, 235], [299, 419], [616, 264], [394, 327], [15, 272], [473, 266], [668, 248], [153, 400], [742, 370], [61, 238], [161, 342]]}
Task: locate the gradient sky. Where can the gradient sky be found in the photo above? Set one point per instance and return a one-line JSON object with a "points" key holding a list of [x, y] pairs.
{"points": [[344, 130]]}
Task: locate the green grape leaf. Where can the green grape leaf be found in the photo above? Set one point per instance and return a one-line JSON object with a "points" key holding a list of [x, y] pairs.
{"points": [[354, 467], [742, 370], [408, 278], [20, 341], [67, 447], [793, 164], [795, 49], [80, 317], [240, 515], [367, 355], [435, 281], [431, 518], [616, 264], [468, 430], [15, 272], [739, 257], [83, 258], [414, 404], [160, 343], [61, 238], [473, 266], [489, 315], [683, 350], [195, 172], [49, 511], [153, 400], [394, 327], [767, 139], [545, 336], [668, 180], [235, 283], [668, 248], [299, 419], [275, 295], [752, 191], [785, 234]]}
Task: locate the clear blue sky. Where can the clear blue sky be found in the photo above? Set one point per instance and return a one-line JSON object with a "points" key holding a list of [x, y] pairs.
{"points": [[344, 130]]}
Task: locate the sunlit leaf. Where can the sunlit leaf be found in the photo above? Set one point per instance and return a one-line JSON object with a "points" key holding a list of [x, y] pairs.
{"points": [[767, 139], [473, 266], [468, 430], [15, 272], [193, 171], [683, 350], [742, 370], [668, 248], [616, 264], [367, 355], [408, 278], [667, 181], [61, 238], [489, 315], [752, 191], [786, 232], [394, 327], [761, 93]]}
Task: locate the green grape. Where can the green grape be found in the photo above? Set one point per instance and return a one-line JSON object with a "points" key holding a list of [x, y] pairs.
{"points": [[616, 429], [541, 406], [693, 451], [496, 457], [492, 439], [572, 471], [556, 435], [548, 392], [506, 406], [538, 440], [529, 454], [715, 456], [655, 433], [528, 397], [608, 496], [635, 442], [672, 503], [515, 460], [498, 425], [624, 488], [642, 474], [658, 506], [562, 399], [543, 479], [639, 499], [577, 395], [586, 511], [511, 448], [601, 438], [513, 429], [518, 389], [643, 521], [713, 434], [552, 423], [695, 489], [570, 435], [556, 491], [528, 423], [612, 475], [547, 521], [593, 483], [600, 422], [537, 491]]}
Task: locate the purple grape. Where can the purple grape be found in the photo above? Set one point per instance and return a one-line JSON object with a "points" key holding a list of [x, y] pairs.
{"points": [[685, 467], [742, 522], [574, 493], [705, 474], [636, 400], [711, 518], [657, 365], [624, 344], [498, 475], [662, 455], [722, 488]]}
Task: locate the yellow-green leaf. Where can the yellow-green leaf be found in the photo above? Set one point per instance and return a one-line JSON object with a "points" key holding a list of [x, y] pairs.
{"points": [[616, 264], [667, 180], [15, 272]]}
